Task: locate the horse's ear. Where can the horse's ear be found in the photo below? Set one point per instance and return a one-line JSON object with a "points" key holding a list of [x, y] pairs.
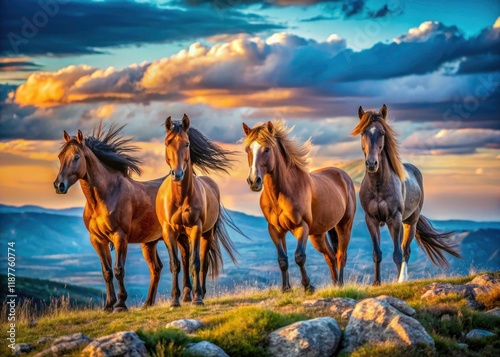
{"points": [[270, 127], [66, 136], [361, 112], [79, 136], [185, 122], [383, 111], [246, 129], [169, 124]]}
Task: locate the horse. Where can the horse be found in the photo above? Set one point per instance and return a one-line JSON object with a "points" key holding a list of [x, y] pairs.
{"points": [[190, 204], [392, 193], [119, 210], [295, 200]]}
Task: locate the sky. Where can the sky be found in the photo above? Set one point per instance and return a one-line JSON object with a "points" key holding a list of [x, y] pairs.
{"points": [[68, 64]]}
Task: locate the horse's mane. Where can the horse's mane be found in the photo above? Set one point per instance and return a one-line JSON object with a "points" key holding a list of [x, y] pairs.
{"points": [[110, 148], [206, 155], [391, 146], [294, 152]]}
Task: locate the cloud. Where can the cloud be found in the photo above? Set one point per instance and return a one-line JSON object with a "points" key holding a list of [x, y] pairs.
{"points": [[18, 64], [63, 28], [452, 141]]}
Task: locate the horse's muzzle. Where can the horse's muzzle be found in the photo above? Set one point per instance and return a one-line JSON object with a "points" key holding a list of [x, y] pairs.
{"points": [[256, 185], [177, 175], [61, 187]]}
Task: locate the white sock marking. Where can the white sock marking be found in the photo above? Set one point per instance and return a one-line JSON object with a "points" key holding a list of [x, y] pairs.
{"points": [[404, 273]]}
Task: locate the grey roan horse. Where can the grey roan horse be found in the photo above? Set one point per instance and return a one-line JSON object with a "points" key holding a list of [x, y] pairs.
{"points": [[393, 193]]}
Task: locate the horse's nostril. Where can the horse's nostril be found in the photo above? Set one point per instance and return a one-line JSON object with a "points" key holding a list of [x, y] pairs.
{"points": [[259, 180], [61, 186], [376, 163], [249, 181]]}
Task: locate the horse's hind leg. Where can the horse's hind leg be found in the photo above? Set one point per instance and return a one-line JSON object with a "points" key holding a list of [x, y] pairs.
{"points": [[121, 245], [302, 233], [151, 256], [320, 243], [104, 254], [280, 243], [409, 232], [186, 280]]}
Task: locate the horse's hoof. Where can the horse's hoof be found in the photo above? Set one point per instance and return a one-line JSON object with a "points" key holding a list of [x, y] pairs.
{"points": [[197, 302], [175, 304], [146, 306], [186, 298], [310, 289], [286, 289], [119, 309], [376, 283]]}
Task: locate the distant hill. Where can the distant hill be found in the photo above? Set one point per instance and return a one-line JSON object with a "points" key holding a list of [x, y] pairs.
{"points": [[54, 244]]}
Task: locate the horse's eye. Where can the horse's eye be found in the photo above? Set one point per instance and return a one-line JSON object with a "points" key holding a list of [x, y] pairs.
{"points": [[187, 145], [266, 150], [77, 157]]}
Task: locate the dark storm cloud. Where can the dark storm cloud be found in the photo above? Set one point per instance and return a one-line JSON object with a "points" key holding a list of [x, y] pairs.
{"points": [[18, 66], [88, 27]]}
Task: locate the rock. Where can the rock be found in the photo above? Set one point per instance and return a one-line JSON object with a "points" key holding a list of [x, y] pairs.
{"points": [[442, 289], [187, 325], [323, 303], [340, 305], [65, 344], [477, 334], [346, 314], [375, 321], [494, 312], [23, 348], [475, 305], [205, 349], [44, 339], [445, 317], [398, 304], [125, 343], [483, 284], [310, 338]]}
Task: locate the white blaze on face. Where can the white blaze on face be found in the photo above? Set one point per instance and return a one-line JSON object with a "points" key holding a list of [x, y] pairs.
{"points": [[255, 147], [404, 273], [372, 129]]}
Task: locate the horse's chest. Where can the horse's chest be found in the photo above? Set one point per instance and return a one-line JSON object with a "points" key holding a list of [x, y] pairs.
{"points": [[185, 216], [101, 226]]}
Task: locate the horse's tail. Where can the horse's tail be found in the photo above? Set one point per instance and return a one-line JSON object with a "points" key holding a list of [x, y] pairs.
{"points": [[434, 243], [334, 239], [221, 236]]}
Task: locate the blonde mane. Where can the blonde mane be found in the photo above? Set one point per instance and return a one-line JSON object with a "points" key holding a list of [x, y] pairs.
{"points": [[293, 151], [391, 146]]}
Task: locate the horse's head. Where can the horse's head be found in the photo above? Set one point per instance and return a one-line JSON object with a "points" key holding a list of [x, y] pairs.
{"points": [[373, 138], [260, 146], [72, 162], [177, 152]]}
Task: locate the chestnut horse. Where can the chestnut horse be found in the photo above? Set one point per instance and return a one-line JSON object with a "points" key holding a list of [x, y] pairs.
{"points": [[306, 204], [190, 204], [393, 193], [119, 210]]}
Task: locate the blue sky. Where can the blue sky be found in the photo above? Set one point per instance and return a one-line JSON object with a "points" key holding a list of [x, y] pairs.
{"points": [[311, 62]]}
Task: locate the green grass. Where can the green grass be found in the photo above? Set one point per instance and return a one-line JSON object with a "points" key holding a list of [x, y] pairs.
{"points": [[240, 322]]}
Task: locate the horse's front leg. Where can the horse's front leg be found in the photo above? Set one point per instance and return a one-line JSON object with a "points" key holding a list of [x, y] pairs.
{"points": [[170, 237], [102, 250], [151, 256], [373, 227], [279, 241], [194, 262], [395, 226], [119, 239], [302, 233], [183, 243]]}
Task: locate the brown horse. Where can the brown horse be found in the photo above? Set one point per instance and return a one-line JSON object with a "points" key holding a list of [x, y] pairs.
{"points": [[393, 193], [307, 204], [190, 204], [119, 210]]}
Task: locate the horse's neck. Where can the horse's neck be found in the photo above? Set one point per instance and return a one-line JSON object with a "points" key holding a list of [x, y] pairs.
{"points": [[283, 180], [384, 172], [99, 181], [184, 188]]}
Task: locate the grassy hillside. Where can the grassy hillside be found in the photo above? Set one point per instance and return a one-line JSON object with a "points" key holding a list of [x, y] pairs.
{"points": [[240, 321]]}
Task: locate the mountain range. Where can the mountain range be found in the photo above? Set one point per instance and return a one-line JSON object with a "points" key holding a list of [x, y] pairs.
{"points": [[54, 244]]}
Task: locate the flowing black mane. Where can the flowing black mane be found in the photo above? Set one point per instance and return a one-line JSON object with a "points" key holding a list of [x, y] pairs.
{"points": [[111, 149], [205, 154]]}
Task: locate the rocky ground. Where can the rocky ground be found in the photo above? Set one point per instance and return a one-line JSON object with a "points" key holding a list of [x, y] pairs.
{"points": [[460, 317]]}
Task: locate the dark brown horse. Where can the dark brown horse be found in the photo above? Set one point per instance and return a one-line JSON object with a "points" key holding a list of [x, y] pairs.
{"points": [[190, 204], [307, 204], [119, 210], [393, 193]]}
